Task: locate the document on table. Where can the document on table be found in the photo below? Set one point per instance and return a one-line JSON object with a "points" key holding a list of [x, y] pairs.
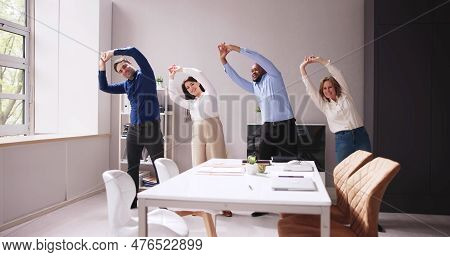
{"points": [[299, 167], [220, 171], [218, 164], [293, 183], [274, 171]]}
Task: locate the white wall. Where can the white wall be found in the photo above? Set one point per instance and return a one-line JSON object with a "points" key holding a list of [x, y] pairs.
{"points": [[37, 175], [69, 34], [46, 66], [78, 70], [187, 33], [104, 36]]}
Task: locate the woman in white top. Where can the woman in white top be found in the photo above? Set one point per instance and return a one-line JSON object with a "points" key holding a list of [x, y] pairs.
{"points": [[200, 99], [334, 100]]}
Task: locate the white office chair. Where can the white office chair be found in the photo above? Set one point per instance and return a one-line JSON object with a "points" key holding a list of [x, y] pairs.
{"points": [[120, 192], [167, 169]]}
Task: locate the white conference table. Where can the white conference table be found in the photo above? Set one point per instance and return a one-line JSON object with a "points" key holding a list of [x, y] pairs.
{"points": [[192, 190]]}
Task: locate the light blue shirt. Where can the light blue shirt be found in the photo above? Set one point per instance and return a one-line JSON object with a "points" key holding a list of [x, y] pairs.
{"points": [[270, 90]]}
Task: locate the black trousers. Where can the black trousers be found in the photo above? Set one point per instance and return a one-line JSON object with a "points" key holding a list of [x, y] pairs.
{"points": [[278, 139], [146, 135]]}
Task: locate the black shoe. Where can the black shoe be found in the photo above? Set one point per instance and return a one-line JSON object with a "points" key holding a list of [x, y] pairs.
{"points": [[227, 213], [257, 214], [381, 229]]}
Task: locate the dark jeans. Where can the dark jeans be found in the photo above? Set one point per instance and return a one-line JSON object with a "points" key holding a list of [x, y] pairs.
{"points": [[278, 139], [146, 135], [348, 141]]}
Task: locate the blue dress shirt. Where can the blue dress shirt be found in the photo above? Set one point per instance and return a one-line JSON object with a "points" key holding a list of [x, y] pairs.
{"points": [[141, 90], [270, 90]]}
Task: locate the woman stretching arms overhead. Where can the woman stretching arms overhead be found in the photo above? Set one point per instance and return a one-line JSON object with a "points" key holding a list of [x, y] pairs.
{"points": [[201, 100], [334, 100]]}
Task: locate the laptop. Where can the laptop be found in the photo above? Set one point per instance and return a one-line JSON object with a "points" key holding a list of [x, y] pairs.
{"points": [[293, 184]]}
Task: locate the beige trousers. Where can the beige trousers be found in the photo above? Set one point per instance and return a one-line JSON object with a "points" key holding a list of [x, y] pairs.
{"points": [[207, 140]]}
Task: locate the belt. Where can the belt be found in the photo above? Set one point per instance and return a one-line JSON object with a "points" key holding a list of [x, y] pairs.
{"points": [[349, 131], [276, 123], [143, 124]]}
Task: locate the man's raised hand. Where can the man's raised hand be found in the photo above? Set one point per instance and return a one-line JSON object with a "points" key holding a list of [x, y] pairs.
{"points": [[101, 65], [105, 56], [172, 70], [223, 52]]}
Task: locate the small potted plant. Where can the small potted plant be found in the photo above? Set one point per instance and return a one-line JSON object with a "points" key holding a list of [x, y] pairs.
{"points": [[251, 167], [262, 168], [159, 82]]}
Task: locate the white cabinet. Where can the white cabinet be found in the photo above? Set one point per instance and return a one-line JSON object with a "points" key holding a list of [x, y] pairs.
{"points": [[146, 170]]}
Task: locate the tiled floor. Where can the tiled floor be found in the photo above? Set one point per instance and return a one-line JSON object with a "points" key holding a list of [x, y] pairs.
{"points": [[89, 218]]}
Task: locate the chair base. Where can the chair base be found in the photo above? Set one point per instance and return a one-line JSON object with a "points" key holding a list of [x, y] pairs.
{"points": [[207, 219], [290, 227], [336, 215]]}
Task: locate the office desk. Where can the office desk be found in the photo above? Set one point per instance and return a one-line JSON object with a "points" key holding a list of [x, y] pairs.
{"points": [[191, 190]]}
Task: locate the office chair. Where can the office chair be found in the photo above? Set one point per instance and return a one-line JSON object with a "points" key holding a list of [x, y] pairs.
{"points": [[342, 172], [167, 169], [120, 192], [366, 190]]}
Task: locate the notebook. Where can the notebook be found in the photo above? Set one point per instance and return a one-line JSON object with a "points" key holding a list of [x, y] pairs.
{"points": [[220, 171], [300, 166], [293, 184]]}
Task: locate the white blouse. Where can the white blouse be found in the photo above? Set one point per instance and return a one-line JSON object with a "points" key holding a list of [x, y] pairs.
{"points": [[202, 107], [341, 115]]}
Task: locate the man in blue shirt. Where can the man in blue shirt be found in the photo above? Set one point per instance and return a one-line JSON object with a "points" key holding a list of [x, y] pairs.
{"points": [[278, 133], [140, 87]]}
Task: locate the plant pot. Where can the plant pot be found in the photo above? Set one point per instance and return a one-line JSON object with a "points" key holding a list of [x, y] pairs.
{"points": [[251, 169]]}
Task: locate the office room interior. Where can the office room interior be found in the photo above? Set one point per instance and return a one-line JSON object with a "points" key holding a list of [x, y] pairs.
{"points": [[63, 132]]}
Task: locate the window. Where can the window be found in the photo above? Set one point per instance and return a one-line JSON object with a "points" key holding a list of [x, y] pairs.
{"points": [[14, 68]]}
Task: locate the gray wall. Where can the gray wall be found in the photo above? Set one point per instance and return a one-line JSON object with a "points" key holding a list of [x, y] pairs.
{"points": [[187, 33], [41, 174], [369, 67]]}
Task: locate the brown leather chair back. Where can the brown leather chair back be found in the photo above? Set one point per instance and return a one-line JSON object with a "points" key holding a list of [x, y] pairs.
{"points": [[366, 188], [342, 172]]}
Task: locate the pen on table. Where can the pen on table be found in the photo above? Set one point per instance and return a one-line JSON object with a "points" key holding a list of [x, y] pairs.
{"points": [[290, 176], [251, 188]]}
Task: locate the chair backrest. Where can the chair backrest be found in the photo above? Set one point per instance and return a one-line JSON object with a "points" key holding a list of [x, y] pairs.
{"points": [[120, 193], [367, 187], [342, 172], [166, 168]]}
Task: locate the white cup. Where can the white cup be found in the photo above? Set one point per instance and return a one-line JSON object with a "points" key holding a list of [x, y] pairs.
{"points": [[251, 169]]}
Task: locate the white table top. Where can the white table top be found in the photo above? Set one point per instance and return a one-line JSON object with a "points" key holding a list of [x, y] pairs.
{"points": [[240, 189]]}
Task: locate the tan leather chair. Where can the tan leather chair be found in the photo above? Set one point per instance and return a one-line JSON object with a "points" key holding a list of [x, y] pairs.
{"points": [[366, 190], [340, 212]]}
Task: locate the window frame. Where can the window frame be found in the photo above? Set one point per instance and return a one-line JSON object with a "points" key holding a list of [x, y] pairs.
{"points": [[19, 63]]}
